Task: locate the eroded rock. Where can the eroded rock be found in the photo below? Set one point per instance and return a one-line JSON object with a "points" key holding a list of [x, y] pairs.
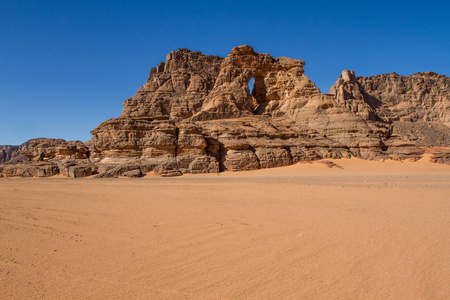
{"points": [[195, 114]]}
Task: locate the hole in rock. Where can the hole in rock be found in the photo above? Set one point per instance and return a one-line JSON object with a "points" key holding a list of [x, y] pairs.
{"points": [[251, 85]]}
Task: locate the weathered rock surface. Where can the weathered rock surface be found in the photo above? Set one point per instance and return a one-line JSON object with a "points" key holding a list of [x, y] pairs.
{"points": [[47, 157], [41, 169], [11, 154], [195, 114], [276, 81], [45, 149], [176, 88], [416, 108], [440, 155], [392, 97]]}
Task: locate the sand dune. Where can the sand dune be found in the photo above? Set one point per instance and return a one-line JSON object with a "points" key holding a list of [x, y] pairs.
{"points": [[371, 230]]}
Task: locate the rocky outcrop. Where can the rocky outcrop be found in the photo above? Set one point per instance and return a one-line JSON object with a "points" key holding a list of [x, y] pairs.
{"points": [[176, 88], [276, 81], [416, 108], [440, 155], [45, 149], [44, 157], [196, 114], [42, 149], [285, 119], [392, 97], [10, 154]]}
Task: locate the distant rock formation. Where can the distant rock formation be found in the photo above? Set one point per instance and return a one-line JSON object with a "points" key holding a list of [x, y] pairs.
{"points": [[43, 157], [392, 97], [10, 153], [196, 114]]}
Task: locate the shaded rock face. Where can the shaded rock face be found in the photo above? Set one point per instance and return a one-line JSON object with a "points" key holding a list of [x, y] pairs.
{"points": [[392, 97], [196, 114], [10, 154], [416, 108]]}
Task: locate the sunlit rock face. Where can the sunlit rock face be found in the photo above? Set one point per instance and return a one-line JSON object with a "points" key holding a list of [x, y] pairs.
{"points": [[196, 114]]}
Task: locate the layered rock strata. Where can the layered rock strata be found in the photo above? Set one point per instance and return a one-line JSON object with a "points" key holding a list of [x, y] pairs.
{"points": [[48, 157], [197, 114], [9, 153], [392, 97], [416, 108]]}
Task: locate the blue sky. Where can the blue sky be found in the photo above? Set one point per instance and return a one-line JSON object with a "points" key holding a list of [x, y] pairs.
{"points": [[66, 66]]}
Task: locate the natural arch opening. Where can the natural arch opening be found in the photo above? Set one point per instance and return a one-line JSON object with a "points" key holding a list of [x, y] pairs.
{"points": [[251, 85], [258, 90]]}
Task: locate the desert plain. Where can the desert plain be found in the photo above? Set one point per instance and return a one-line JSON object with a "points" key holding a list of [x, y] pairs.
{"points": [[367, 230]]}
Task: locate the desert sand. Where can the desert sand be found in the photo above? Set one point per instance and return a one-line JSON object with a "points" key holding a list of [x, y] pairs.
{"points": [[371, 230]]}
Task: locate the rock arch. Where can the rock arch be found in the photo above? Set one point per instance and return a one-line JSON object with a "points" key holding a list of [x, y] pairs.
{"points": [[276, 80]]}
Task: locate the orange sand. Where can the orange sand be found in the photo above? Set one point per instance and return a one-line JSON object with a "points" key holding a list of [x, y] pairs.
{"points": [[372, 230]]}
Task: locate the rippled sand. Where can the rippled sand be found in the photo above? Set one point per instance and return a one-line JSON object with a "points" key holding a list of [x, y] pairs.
{"points": [[372, 230]]}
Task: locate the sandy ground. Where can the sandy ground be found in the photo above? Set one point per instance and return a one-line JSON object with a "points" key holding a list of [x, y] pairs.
{"points": [[372, 230]]}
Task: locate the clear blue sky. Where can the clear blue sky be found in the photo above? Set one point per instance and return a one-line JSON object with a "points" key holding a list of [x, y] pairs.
{"points": [[66, 66]]}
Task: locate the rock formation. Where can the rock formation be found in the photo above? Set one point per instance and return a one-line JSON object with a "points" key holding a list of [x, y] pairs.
{"points": [[10, 153], [47, 157], [392, 97], [416, 108], [195, 114]]}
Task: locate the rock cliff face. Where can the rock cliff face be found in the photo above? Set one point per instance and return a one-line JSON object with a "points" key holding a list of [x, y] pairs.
{"points": [[10, 153], [196, 114], [276, 81], [416, 107], [176, 88], [392, 97]]}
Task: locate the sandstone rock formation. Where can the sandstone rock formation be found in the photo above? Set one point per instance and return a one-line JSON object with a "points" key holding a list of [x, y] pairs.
{"points": [[47, 157], [10, 153], [416, 108], [392, 97], [195, 114]]}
